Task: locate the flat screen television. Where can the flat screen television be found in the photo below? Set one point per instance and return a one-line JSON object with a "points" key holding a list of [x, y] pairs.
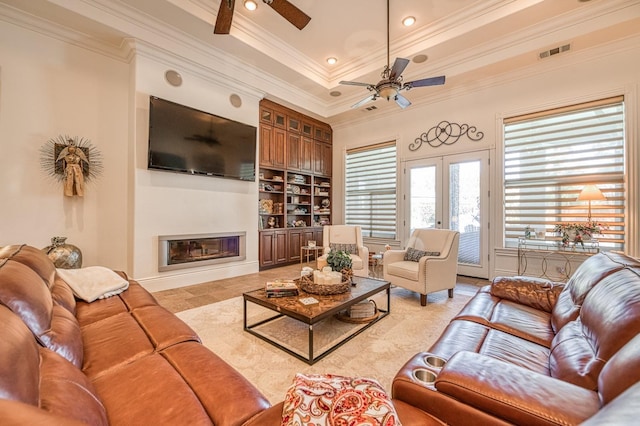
{"points": [[185, 140]]}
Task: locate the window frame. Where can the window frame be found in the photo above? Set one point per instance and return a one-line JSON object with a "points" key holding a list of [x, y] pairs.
{"points": [[568, 207], [369, 231]]}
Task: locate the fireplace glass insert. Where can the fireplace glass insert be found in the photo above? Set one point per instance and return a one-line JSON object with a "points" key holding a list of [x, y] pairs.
{"points": [[194, 250]]}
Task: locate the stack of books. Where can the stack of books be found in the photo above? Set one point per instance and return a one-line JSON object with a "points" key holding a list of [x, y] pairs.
{"points": [[364, 309], [281, 288]]}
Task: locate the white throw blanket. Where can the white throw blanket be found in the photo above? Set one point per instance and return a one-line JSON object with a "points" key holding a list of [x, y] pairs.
{"points": [[93, 282]]}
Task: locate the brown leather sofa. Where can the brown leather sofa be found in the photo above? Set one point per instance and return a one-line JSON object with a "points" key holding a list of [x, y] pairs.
{"points": [[530, 351], [123, 360]]}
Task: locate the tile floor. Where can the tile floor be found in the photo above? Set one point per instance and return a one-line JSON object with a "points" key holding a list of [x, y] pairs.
{"points": [[193, 296]]}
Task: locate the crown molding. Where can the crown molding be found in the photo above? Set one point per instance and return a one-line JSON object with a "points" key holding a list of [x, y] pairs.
{"points": [[59, 32]]}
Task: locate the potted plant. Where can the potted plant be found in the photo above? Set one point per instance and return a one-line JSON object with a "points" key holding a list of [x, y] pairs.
{"points": [[340, 261]]}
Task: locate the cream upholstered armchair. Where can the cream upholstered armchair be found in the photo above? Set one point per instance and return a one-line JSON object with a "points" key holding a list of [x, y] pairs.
{"points": [[347, 238], [428, 264]]}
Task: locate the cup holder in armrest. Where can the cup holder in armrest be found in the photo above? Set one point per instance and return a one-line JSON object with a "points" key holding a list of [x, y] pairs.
{"points": [[435, 361], [425, 376]]}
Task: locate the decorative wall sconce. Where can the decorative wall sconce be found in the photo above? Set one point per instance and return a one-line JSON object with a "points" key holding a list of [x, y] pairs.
{"points": [[446, 133], [72, 161]]}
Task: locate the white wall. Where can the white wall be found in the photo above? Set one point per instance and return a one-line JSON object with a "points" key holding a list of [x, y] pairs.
{"points": [[573, 78], [50, 88], [175, 204]]}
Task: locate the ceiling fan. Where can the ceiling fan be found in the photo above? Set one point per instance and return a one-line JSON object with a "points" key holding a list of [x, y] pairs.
{"points": [[287, 10], [392, 84]]}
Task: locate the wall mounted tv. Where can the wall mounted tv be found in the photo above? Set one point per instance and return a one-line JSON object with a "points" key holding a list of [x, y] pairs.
{"points": [[185, 140]]}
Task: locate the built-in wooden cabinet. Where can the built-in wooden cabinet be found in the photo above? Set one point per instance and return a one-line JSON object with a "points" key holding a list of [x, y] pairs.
{"points": [[294, 183], [273, 248]]}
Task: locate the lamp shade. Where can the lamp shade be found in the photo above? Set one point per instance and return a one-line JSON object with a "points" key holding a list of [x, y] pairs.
{"points": [[591, 193]]}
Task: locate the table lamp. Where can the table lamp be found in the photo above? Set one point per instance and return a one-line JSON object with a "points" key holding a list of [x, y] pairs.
{"points": [[590, 193]]}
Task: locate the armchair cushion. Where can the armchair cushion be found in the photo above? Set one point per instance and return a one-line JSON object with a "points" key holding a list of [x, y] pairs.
{"points": [[349, 248], [415, 255], [404, 269]]}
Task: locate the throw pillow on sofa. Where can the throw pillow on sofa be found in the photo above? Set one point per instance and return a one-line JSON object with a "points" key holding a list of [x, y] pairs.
{"points": [[327, 399], [415, 255]]}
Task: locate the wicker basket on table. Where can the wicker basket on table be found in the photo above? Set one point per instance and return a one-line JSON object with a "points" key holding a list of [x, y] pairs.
{"points": [[306, 284]]}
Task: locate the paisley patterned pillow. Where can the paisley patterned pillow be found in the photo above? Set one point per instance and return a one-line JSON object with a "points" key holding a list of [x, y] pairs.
{"points": [[327, 399], [349, 248], [415, 255]]}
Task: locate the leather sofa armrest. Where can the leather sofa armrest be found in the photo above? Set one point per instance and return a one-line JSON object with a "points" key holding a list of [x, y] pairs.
{"points": [[535, 292], [514, 393]]}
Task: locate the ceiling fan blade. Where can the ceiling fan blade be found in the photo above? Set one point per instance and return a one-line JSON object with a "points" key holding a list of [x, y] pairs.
{"points": [[398, 66], [225, 15], [364, 101], [402, 101], [291, 13], [356, 83], [433, 81]]}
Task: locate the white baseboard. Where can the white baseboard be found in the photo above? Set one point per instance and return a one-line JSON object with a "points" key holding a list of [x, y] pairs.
{"points": [[185, 277]]}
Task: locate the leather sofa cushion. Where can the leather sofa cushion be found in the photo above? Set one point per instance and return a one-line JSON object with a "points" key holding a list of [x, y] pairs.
{"points": [[621, 372], [136, 296], [519, 320], [184, 384], [27, 295], [585, 278], [41, 378], [64, 390], [609, 318], [463, 335]]}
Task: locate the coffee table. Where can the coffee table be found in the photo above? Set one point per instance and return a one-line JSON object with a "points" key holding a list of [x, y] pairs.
{"points": [[311, 316]]}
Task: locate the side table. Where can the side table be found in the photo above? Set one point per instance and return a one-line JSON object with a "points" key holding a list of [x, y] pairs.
{"points": [[307, 250]]}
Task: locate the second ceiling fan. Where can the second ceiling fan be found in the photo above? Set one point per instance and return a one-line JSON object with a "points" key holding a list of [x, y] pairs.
{"points": [[287, 10], [392, 83]]}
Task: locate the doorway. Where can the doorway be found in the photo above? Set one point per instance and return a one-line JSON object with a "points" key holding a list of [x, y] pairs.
{"points": [[452, 192]]}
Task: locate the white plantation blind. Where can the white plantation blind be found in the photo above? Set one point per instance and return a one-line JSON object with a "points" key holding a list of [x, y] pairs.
{"points": [[370, 190], [550, 156]]}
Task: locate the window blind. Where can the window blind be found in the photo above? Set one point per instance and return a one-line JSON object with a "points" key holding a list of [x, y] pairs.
{"points": [[550, 156], [370, 190]]}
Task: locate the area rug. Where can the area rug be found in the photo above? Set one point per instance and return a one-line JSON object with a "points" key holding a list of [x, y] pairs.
{"points": [[378, 352]]}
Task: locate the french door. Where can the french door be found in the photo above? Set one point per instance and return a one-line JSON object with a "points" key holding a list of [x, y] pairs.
{"points": [[452, 192]]}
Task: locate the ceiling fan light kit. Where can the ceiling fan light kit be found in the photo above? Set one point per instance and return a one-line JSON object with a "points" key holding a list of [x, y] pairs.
{"points": [[392, 83]]}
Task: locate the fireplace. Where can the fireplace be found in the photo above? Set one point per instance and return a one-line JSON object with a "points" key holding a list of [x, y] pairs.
{"points": [[186, 251]]}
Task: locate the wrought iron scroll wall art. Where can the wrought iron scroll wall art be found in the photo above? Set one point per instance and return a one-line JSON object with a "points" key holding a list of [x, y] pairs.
{"points": [[445, 133]]}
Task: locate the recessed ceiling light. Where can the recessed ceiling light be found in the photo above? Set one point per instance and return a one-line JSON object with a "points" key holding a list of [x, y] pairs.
{"points": [[332, 60], [418, 59], [335, 93], [408, 21], [250, 5]]}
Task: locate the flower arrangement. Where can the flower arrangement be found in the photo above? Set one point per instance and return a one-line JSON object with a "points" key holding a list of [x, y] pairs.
{"points": [[578, 232]]}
